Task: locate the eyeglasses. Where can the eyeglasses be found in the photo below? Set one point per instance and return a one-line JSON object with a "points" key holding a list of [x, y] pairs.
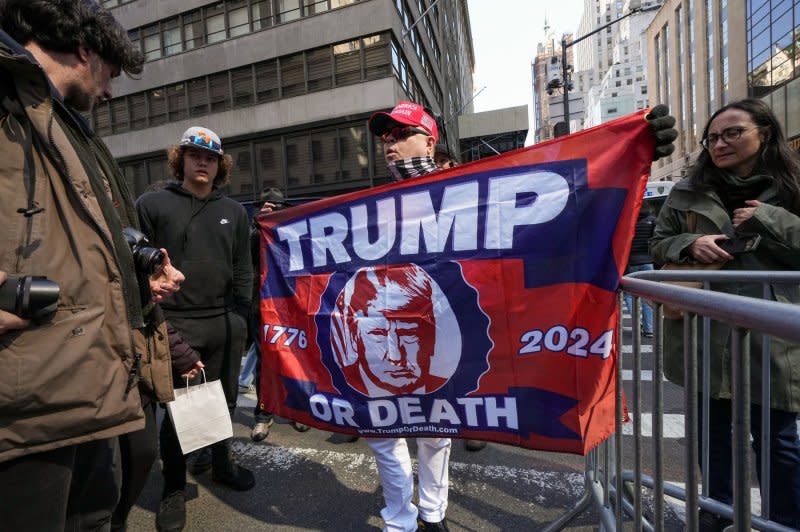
{"points": [[402, 133], [203, 142], [731, 134]]}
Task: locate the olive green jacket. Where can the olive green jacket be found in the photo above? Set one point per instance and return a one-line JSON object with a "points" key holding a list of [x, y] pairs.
{"points": [[779, 250]]}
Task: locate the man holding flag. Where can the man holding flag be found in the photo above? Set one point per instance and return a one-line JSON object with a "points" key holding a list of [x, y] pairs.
{"points": [[409, 134]]}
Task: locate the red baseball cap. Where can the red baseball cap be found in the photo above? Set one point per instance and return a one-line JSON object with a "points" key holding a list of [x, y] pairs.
{"points": [[407, 114]]}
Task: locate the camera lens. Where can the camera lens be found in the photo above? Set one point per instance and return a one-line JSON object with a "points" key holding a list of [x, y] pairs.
{"points": [[149, 260], [146, 259], [29, 297], [42, 297]]}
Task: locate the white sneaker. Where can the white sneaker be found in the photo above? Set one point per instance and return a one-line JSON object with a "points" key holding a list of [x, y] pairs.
{"points": [[261, 430]]}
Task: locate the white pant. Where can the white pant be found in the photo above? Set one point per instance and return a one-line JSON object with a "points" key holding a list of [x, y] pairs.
{"points": [[394, 468]]}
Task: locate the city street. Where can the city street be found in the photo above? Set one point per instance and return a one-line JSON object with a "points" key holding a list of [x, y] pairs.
{"points": [[317, 481], [314, 481], [422, 211]]}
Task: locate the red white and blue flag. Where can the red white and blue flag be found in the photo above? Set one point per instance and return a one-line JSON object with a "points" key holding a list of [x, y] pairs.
{"points": [[477, 302]]}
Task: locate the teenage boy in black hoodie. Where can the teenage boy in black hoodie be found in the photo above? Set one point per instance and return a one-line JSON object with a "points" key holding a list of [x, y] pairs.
{"points": [[207, 236]]}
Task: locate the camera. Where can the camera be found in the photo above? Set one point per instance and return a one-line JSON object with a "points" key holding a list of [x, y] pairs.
{"points": [[29, 297], [146, 259]]}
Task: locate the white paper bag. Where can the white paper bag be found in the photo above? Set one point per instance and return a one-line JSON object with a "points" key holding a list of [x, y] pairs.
{"points": [[200, 415]]}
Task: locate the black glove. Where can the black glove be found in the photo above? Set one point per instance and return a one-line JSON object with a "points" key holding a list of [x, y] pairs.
{"points": [[664, 131]]}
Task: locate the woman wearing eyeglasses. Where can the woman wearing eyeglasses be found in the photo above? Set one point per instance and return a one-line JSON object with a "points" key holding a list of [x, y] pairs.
{"points": [[744, 185]]}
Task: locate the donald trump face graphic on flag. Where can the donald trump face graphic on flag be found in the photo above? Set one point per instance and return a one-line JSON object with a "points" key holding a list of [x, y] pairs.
{"points": [[394, 333]]}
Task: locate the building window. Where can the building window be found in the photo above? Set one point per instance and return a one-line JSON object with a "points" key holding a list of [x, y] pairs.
{"points": [[176, 101], [298, 169], [138, 110], [135, 176], [193, 30], [157, 170], [292, 76], [198, 96], [319, 67], [135, 37], [347, 62], [353, 153], [157, 106], [172, 37], [269, 164], [314, 70], [238, 21], [289, 10], [101, 117], [261, 14], [310, 158], [267, 81], [325, 156], [376, 56], [316, 6], [219, 92], [215, 23], [242, 82], [152, 42], [241, 182]]}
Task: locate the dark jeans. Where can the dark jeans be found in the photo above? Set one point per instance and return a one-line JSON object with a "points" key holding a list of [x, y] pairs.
{"points": [[259, 415], [784, 455], [137, 451], [220, 341], [73, 488]]}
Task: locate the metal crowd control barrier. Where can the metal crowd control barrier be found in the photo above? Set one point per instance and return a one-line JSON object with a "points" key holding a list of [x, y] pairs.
{"points": [[616, 492]]}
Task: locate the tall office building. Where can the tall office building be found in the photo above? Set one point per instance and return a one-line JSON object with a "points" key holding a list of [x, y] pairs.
{"points": [[623, 89], [707, 53], [548, 101], [546, 67], [597, 53], [773, 59], [288, 85]]}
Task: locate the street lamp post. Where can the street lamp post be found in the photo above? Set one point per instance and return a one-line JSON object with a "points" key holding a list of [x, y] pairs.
{"points": [[567, 77], [635, 6]]}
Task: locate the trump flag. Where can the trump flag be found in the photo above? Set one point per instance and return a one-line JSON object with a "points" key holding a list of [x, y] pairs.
{"points": [[477, 302]]}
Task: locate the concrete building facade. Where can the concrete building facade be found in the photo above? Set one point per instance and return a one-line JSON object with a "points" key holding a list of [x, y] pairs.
{"points": [[490, 133], [545, 67], [773, 59], [287, 84], [623, 89], [701, 57], [549, 104], [597, 53]]}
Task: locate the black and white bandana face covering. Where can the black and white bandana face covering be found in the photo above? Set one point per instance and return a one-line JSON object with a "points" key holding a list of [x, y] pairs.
{"points": [[413, 167]]}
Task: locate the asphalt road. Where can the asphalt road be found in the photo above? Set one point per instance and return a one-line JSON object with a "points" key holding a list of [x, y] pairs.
{"points": [[316, 481]]}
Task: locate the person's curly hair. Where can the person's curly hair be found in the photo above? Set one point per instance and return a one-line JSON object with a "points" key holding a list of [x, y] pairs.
{"points": [[175, 155], [64, 25]]}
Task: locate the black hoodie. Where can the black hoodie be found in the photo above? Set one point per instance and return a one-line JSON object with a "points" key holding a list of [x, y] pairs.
{"points": [[208, 240]]}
